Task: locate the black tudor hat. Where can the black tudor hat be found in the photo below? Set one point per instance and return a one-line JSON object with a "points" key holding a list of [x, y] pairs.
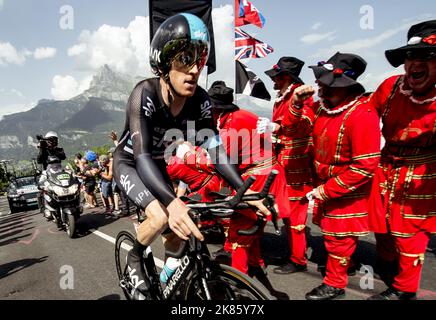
{"points": [[341, 70], [421, 36], [289, 65], [221, 96]]}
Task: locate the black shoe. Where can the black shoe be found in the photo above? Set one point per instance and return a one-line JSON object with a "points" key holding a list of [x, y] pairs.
{"points": [[137, 277], [325, 292], [257, 271], [393, 294], [290, 267]]}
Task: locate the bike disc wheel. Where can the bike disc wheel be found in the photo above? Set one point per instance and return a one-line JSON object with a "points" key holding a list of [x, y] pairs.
{"points": [[227, 283]]}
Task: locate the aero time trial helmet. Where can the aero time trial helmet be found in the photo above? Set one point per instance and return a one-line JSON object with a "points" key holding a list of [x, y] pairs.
{"points": [[182, 38]]}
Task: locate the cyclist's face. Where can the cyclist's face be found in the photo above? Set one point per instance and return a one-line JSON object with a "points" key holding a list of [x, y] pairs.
{"points": [[185, 71]]}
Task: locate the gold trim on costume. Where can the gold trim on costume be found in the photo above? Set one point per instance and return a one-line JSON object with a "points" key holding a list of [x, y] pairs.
{"points": [[366, 156], [345, 234], [346, 216], [420, 196], [236, 245], [424, 176], [296, 198], [299, 227], [402, 235], [362, 172], [343, 185], [342, 260], [419, 257]]}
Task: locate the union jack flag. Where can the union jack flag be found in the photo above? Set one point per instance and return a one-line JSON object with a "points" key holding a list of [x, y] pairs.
{"points": [[248, 47]]}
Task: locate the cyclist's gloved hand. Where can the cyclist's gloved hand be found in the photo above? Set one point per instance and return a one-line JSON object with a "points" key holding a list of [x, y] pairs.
{"points": [[262, 209], [180, 222]]}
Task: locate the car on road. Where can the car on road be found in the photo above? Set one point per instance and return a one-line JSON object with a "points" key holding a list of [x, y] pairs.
{"points": [[22, 193]]}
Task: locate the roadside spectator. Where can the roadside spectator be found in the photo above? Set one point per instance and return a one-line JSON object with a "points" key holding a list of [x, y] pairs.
{"points": [[106, 182], [90, 169], [115, 189], [114, 138]]}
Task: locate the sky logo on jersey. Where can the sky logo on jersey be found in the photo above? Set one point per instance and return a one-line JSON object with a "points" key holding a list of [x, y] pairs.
{"points": [[149, 108], [206, 112]]}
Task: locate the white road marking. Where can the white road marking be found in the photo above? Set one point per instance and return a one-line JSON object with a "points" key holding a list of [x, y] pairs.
{"points": [[159, 263]]}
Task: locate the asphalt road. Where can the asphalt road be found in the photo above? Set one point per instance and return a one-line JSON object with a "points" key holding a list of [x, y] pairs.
{"points": [[35, 259]]}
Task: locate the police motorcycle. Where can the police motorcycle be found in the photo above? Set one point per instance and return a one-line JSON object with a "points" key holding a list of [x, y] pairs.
{"points": [[61, 192]]}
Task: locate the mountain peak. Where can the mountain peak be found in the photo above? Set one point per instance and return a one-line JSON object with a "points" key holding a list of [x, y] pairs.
{"points": [[109, 84]]}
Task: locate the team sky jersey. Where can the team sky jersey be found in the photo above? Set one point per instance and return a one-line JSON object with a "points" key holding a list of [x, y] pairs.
{"points": [[150, 130]]}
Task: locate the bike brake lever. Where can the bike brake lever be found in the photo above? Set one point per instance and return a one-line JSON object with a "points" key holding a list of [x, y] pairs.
{"points": [[269, 203]]}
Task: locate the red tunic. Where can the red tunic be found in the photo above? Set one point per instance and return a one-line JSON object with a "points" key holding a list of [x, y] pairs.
{"points": [[347, 153], [407, 170], [198, 181], [252, 152], [295, 136]]}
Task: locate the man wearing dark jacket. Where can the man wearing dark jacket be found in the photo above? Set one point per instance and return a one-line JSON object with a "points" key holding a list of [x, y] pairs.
{"points": [[48, 146]]}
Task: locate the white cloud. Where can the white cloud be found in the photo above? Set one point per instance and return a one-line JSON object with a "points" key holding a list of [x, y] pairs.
{"points": [[316, 26], [222, 18], [313, 38], [15, 108], [10, 55], [362, 46], [123, 49], [2, 2], [126, 49], [17, 93], [371, 81], [44, 53], [67, 87]]}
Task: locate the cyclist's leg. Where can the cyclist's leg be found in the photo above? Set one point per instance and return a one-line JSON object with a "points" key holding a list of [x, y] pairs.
{"points": [[130, 183]]}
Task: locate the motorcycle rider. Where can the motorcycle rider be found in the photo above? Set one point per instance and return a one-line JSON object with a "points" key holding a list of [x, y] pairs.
{"points": [[49, 152], [48, 146]]}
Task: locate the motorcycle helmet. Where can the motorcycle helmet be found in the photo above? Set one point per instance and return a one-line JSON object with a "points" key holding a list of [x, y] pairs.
{"points": [[52, 137], [90, 156], [183, 38]]}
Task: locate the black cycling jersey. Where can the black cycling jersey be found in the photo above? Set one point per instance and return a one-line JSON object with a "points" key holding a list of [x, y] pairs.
{"points": [[149, 133]]}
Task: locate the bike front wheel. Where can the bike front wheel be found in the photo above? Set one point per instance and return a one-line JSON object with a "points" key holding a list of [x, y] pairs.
{"points": [[226, 283], [123, 244]]}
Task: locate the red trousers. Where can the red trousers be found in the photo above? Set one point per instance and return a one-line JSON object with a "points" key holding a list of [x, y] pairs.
{"points": [[245, 249], [297, 243], [410, 254], [339, 251]]}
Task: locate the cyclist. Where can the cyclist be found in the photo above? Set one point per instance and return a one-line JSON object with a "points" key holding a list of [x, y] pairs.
{"points": [[158, 110]]}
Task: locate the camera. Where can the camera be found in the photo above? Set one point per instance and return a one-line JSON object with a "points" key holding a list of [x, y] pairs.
{"points": [[42, 142]]}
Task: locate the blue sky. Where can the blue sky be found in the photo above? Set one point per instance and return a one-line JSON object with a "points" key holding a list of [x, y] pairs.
{"points": [[66, 59]]}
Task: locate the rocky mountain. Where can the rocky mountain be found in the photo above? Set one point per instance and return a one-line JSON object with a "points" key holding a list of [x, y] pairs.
{"points": [[83, 121]]}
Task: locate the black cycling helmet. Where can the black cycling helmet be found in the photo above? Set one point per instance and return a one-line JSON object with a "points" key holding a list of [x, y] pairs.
{"points": [[181, 33]]}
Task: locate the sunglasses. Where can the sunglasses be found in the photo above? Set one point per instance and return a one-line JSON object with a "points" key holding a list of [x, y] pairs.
{"points": [[189, 57], [420, 55]]}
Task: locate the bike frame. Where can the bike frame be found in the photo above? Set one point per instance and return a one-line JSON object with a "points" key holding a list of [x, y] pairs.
{"points": [[194, 253]]}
